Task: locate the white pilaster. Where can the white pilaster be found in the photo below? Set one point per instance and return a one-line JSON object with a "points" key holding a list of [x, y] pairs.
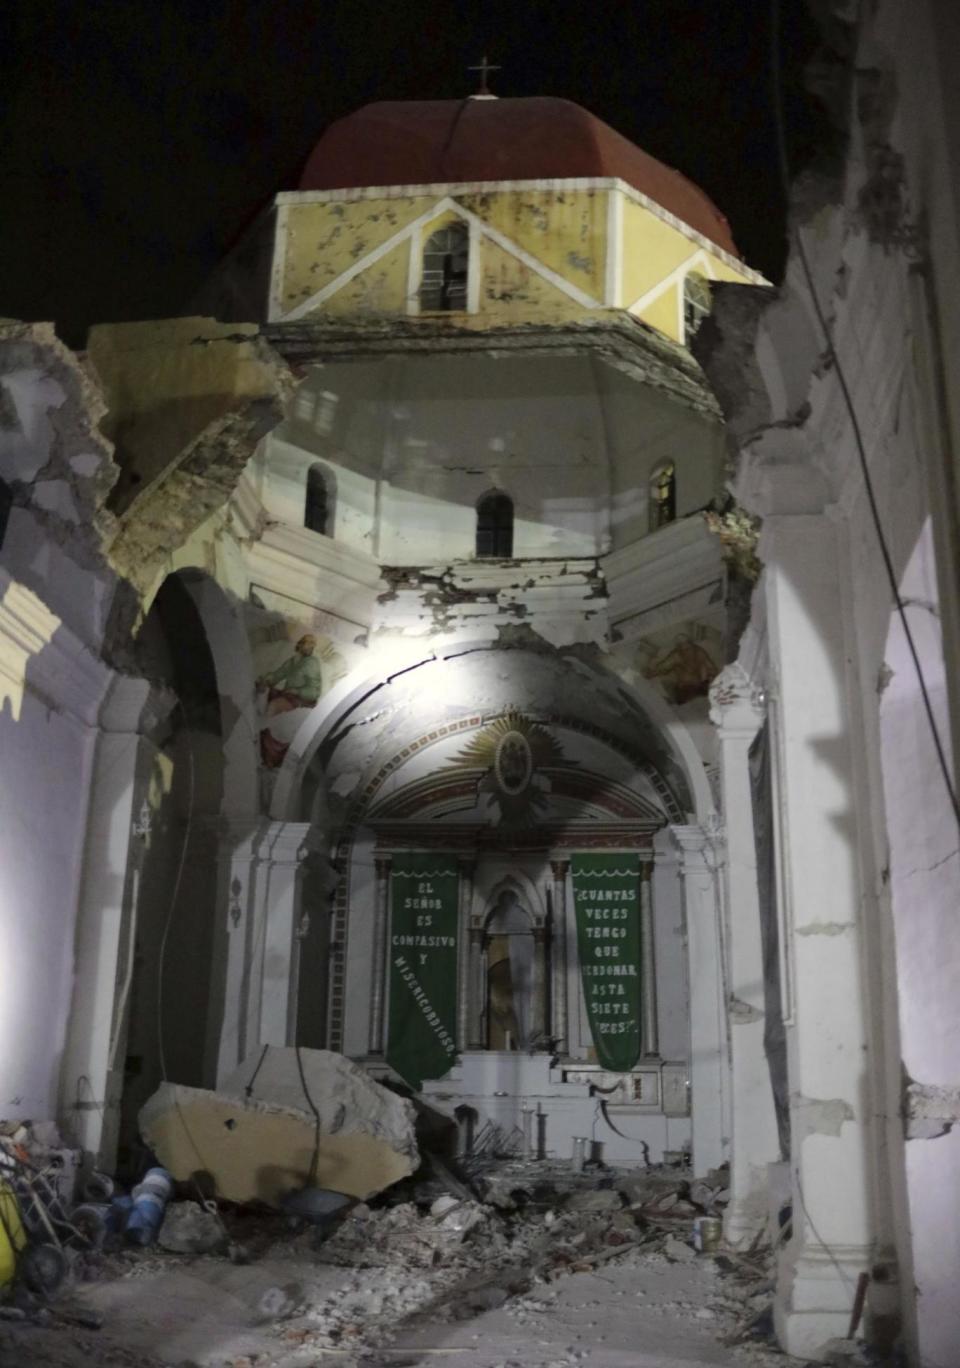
{"points": [[235, 931], [708, 1063], [378, 974], [282, 851], [467, 865], [90, 1090], [827, 1039], [560, 870], [648, 952], [476, 1023], [737, 712]]}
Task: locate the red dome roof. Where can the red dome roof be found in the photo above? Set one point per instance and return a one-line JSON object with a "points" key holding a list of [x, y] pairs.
{"points": [[426, 142]]}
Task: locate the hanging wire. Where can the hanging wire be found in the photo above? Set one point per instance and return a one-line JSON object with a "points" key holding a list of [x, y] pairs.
{"points": [[784, 169]]}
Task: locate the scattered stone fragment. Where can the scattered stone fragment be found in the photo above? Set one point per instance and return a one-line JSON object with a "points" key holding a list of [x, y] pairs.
{"points": [[278, 1302], [677, 1251], [600, 1199], [486, 1298], [845, 1353], [444, 1204], [189, 1229], [701, 1194]]}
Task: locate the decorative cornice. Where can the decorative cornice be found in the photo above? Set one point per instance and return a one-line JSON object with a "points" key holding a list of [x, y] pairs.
{"points": [[692, 841], [40, 655], [248, 518], [461, 838], [317, 572], [287, 842], [661, 577], [620, 340]]}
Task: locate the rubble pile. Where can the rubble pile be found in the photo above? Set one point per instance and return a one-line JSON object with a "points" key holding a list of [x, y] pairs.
{"points": [[396, 1246], [426, 1254]]}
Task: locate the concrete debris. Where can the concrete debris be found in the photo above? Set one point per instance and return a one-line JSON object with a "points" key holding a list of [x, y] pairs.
{"points": [[602, 1199], [189, 1229], [443, 1205], [677, 1250], [487, 1298], [257, 1134], [846, 1353], [278, 1303], [410, 1263]]}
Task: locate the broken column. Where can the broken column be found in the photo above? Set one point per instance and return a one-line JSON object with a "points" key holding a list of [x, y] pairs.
{"points": [[737, 712], [709, 1083]]}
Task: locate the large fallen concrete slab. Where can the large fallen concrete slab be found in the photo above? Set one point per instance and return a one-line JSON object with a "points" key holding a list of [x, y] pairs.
{"points": [[259, 1148]]}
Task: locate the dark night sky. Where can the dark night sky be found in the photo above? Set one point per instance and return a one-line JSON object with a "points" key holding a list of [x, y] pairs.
{"points": [[140, 137]]}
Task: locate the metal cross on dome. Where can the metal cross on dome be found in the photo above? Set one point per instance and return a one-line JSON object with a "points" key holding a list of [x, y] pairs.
{"points": [[484, 67]]}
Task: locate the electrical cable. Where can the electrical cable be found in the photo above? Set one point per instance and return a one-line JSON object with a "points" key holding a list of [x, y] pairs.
{"points": [[315, 1157], [248, 1089], [784, 168]]}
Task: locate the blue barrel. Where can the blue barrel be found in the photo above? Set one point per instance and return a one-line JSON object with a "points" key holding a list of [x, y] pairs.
{"points": [[120, 1209], [149, 1202]]}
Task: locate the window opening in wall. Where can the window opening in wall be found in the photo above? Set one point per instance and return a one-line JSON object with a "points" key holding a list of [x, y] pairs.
{"points": [[316, 514], [443, 282], [663, 496], [696, 303], [495, 526]]}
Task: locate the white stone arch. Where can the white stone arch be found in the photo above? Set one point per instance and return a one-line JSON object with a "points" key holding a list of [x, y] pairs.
{"points": [[522, 933], [229, 645], [489, 889], [333, 711]]}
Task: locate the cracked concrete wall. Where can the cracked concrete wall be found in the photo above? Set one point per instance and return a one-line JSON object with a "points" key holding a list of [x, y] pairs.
{"points": [[564, 601], [197, 400], [55, 591], [187, 402], [60, 471], [407, 446], [544, 681], [537, 250], [878, 223]]}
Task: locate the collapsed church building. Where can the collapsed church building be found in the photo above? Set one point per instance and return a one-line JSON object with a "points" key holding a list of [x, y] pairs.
{"points": [[466, 646]]}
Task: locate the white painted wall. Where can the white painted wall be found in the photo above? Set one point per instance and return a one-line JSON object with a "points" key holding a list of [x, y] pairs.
{"points": [[924, 884], [47, 752], [412, 445]]}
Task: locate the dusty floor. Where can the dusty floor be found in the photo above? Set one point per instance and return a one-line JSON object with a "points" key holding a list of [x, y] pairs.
{"points": [[581, 1277]]}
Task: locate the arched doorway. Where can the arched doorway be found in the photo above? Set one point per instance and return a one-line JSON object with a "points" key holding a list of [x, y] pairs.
{"points": [[508, 959], [195, 764], [441, 808]]}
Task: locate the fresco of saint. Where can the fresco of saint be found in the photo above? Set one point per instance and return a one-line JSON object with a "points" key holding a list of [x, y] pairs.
{"points": [[296, 683], [685, 670]]}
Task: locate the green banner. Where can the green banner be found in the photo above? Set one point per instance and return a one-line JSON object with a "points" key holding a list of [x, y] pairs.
{"points": [[424, 932], [606, 898]]}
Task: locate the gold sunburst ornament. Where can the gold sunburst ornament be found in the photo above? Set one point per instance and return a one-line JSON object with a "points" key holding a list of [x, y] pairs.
{"points": [[510, 751]]}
